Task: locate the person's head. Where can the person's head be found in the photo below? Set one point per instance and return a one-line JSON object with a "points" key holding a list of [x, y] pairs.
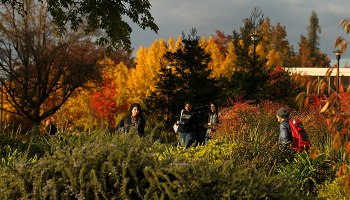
{"points": [[135, 110], [282, 114], [48, 122], [213, 107], [188, 105]]}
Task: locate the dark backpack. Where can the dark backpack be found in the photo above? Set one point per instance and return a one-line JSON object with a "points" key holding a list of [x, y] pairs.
{"points": [[300, 139]]}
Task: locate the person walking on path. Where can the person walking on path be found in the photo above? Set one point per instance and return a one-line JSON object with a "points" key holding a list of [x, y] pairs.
{"points": [[211, 120], [285, 131], [188, 125], [134, 119]]}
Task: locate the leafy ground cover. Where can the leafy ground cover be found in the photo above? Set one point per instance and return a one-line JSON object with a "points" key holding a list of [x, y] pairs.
{"points": [[242, 161]]}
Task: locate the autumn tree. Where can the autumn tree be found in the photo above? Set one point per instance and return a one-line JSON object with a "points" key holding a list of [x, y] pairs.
{"points": [[104, 103], [305, 58], [284, 88], [42, 71], [223, 42], [142, 79], [305, 53], [274, 39], [85, 110], [106, 15]]}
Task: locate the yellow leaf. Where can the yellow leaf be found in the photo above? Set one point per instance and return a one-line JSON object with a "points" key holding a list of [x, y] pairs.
{"points": [[325, 107]]}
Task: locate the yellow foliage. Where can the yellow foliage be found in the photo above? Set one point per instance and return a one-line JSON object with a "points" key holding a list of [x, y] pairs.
{"points": [[274, 59], [213, 49], [142, 80], [77, 110], [260, 50], [214, 153], [120, 78], [179, 42]]}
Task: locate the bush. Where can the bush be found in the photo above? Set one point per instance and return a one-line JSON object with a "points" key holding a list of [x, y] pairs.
{"points": [[104, 166], [331, 189], [306, 172]]}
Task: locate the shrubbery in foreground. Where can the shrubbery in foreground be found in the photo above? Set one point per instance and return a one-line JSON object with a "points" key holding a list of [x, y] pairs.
{"points": [[242, 162], [103, 166]]}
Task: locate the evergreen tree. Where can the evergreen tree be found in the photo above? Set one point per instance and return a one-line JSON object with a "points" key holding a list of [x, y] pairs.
{"points": [[249, 80], [313, 30], [314, 41], [191, 79]]}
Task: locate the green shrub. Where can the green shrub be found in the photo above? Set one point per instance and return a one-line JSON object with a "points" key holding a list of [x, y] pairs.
{"points": [[104, 166], [306, 173]]}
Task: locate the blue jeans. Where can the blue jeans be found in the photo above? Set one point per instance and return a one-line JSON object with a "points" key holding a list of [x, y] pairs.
{"points": [[186, 139], [206, 139]]}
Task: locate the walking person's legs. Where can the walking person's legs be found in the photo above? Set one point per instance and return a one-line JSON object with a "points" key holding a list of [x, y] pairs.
{"points": [[189, 140], [182, 138], [206, 140]]}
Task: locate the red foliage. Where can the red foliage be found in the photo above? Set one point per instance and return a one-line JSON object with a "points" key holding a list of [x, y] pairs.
{"points": [[235, 118], [104, 102], [307, 58], [223, 42], [243, 118], [271, 107], [316, 102], [304, 52], [344, 99], [283, 86], [322, 60]]}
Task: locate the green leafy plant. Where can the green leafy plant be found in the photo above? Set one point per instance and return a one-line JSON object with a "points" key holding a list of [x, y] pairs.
{"points": [[305, 171]]}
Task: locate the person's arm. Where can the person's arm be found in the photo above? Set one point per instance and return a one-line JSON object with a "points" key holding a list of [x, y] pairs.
{"points": [[120, 124], [213, 126], [205, 122], [284, 135], [178, 121]]}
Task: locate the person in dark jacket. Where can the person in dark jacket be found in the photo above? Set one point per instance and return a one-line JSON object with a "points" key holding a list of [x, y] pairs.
{"points": [[135, 119], [285, 131], [50, 129], [211, 120], [188, 125]]}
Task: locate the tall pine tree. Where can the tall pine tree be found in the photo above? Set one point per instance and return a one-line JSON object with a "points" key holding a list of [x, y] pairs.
{"points": [[313, 30]]}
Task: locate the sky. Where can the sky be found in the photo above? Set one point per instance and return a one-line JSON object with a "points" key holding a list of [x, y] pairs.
{"points": [[207, 16]]}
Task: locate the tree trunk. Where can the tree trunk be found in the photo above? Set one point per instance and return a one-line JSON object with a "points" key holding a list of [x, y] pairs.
{"points": [[35, 129]]}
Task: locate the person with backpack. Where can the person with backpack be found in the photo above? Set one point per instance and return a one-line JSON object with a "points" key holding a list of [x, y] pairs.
{"points": [[285, 132], [210, 121], [188, 129], [134, 119], [292, 132]]}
